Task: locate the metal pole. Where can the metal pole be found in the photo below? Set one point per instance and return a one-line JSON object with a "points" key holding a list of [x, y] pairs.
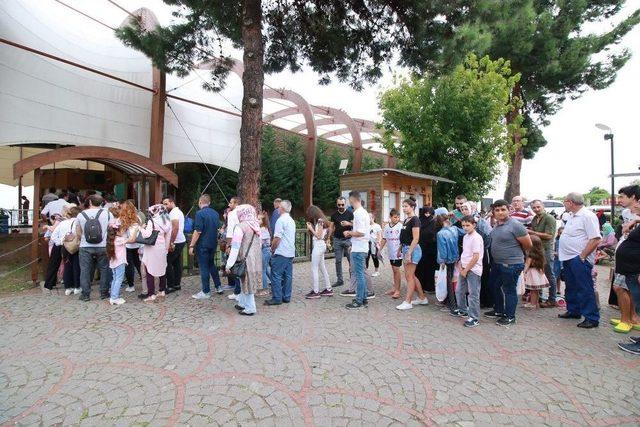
{"points": [[613, 188]]}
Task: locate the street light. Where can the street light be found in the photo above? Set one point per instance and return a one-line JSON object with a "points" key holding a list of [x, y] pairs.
{"points": [[609, 136]]}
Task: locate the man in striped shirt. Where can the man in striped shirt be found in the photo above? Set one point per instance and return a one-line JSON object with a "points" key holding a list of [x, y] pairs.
{"points": [[519, 213]]}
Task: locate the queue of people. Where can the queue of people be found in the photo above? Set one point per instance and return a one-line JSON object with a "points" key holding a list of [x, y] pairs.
{"points": [[469, 259]]}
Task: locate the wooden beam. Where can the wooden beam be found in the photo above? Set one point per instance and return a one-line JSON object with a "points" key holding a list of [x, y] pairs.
{"points": [[35, 235]]}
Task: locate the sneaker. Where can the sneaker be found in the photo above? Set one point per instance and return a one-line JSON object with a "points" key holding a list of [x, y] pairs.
{"points": [[84, 297], [492, 314], [371, 295], [355, 305], [327, 293], [506, 321], [635, 340], [561, 303], [312, 295], [418, 301], [375, 274], [458, 313], [471, 323], [232, 297], [228, 288], [337, 284], [150, 298], [68, 292], [348, 293], [219, 291], [201, 295], [142, 296], [130, 289], [630, 348], [77, 291], [404, 306], [117, 301]]}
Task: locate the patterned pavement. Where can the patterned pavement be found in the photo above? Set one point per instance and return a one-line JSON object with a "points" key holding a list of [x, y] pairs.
{"points": [[311, 362]]}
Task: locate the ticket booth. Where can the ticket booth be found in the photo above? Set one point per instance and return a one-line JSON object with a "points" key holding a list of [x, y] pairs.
{"points": [[385, 189]]}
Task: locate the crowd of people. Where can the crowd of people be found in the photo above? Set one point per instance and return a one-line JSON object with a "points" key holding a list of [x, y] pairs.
{"points": [[469, 259]]}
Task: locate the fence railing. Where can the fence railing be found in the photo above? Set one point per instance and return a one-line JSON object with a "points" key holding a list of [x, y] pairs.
{"points": [[15, 219]]}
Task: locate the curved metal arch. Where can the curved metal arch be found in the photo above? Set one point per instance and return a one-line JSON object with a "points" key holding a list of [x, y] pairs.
{"points": [[120, 159]]}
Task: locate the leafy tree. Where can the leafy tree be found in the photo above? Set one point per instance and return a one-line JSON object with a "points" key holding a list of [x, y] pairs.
{"points": [[350, 39], [452, 126], [596, 195], [549, 44]]}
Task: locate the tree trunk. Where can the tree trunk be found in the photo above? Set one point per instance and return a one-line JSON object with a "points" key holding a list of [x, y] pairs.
{"points": [[513, 175], [252, 82]]}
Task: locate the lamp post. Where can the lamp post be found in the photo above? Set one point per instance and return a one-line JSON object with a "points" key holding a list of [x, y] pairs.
{"points": [[609, 136]]}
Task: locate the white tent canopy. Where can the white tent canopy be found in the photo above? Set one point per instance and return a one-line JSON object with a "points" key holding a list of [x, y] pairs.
{"points": [[43, 101]]}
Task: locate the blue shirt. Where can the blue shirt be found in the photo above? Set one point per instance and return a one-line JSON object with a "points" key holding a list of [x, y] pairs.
{"points": [[286, 230], [207, 223], [274, 218], [447, 241]]}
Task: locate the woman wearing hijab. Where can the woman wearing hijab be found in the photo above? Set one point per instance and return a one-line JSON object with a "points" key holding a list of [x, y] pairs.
{"points": [[245, 245], [154, 257], [428, 263]]}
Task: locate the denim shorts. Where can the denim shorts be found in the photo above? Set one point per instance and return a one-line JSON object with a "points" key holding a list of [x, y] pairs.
{"points": [[416, 256]]}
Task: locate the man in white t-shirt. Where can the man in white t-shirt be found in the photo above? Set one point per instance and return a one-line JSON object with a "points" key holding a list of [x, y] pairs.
{"points": [[55, 207], [391, 238], [578, 243], [178, 240], [359, 235]]}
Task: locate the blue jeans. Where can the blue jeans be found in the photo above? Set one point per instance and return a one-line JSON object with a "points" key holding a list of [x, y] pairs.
{"points": [[358, 260], [116, 282], [503, 280], [579, 293], [470, 284], [207, 264], [90, 258], [548, 270], [281, 278], [266, 267], [634, 289]]}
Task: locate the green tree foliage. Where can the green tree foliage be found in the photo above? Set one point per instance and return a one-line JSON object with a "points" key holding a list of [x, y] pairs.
{"points": [[550, 44], [349, 39], [453, 126], [283, 168], [596, 195]]}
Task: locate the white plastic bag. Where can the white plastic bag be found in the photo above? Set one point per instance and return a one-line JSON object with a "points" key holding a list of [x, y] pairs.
{"points": [[441, 283], [520, 285]]}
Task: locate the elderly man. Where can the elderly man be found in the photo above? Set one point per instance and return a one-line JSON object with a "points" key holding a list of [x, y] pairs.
{"points": [[543, 225], [578, 243], [519, 213], [283, 248]]}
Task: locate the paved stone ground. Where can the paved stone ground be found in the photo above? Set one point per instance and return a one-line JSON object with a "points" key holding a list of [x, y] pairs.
{"points": [[306, 363]]}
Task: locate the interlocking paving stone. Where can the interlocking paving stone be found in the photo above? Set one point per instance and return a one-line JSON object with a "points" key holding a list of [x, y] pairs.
{"points": [[310, 362]]}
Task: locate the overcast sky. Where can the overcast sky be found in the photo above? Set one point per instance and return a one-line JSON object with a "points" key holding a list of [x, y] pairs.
{"points": [[576, 157]]}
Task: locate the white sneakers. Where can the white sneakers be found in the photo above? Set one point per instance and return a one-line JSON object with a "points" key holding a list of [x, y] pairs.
{"points": [[77, 291], [130, 289], [117, 301], [424, 301], [233, 296], [201, 295], [68, 291], [405, 306]]}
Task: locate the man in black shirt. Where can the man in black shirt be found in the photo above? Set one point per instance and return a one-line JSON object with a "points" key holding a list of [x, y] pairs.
{"points": [[341, 221]]}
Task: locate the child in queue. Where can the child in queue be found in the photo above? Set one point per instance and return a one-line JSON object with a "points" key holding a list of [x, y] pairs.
{"points": [[391, 238], [534, 278], [470, 273]]}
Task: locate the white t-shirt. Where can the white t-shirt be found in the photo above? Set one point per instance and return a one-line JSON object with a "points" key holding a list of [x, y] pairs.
{"points": [[105, 217], [472, 244], [65, 227], [55, 207], [361, 224], [392, 236], [373, 233], [176, 213], [232, 221], [581, 227]]}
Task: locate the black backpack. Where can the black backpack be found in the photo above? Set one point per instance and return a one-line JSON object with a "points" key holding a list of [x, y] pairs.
{"points": [[92, 228]]}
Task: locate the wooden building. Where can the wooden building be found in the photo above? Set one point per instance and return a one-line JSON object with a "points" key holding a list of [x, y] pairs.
{"points": [[385, 189]]}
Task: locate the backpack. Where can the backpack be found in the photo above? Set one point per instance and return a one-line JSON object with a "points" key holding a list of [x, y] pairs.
{"points": [[92, 228]]}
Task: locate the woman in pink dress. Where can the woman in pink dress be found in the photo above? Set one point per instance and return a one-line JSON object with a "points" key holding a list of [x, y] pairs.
{"points": [[534, 277], [154, 257]]}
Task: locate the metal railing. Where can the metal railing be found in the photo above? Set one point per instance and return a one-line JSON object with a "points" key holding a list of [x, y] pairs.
{"points": [[15, 219]]}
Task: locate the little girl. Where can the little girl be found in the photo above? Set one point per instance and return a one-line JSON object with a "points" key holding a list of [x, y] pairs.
{"points": [[534, 277], [117, 239]]}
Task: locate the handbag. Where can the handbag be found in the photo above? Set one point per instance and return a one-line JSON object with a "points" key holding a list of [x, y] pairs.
{"points": [[71, 241], [239, 268], [441, 283], [151, 240]]}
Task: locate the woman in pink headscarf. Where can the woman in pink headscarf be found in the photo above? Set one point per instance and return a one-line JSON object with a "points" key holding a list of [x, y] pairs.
{"points": [[154, 257], [245, 244]]}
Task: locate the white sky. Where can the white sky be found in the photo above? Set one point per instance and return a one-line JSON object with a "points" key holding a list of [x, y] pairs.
{"points": [[576, 157]]}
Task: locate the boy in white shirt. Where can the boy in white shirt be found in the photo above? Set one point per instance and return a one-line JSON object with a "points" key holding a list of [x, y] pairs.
{"points": [[391, 238], [359, 235], [470, 273]]}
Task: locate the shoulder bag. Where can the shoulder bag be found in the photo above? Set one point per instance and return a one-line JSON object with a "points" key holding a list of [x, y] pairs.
{"points": [[151, 240], [239, 268]]}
